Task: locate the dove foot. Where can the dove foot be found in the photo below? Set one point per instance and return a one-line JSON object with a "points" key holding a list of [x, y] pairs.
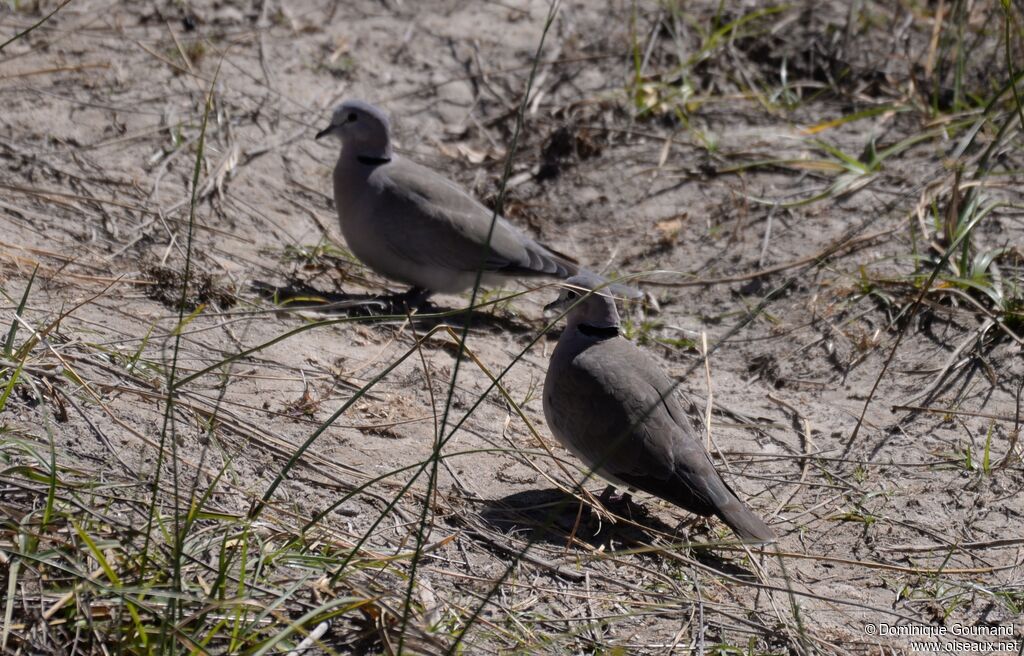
{"points": [[404, 303], [609, 497]]}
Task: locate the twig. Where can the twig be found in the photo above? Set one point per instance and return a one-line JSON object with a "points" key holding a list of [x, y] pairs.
{"points": [[307, 642], [831, 251], [131, 471], [34, 25], [767, 235], [807, 448], [56, 69], [517, 551], [923, 548], [710, 402]]}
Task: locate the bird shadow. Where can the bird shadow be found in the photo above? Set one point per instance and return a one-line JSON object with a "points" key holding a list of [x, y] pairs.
{"points": [[300, 296], [551, 516]]}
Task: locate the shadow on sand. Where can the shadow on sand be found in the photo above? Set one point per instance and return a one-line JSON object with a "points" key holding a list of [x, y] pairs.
{"points": [[548, 516], [298, 296]]}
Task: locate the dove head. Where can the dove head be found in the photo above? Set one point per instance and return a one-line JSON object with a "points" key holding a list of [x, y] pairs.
{"points": [[364, 130], [586, 307]]}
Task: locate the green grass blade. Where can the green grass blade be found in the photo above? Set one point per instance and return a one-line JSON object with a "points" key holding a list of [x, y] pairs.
{"points": [[13, 331], [10, 385]]}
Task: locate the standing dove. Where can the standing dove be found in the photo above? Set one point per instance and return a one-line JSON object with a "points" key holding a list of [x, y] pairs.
{"points": [[414, 226], [609, 403]]}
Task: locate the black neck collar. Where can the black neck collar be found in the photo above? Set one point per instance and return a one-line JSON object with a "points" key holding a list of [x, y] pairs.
{"points": [[601, 332], [372, 161]]}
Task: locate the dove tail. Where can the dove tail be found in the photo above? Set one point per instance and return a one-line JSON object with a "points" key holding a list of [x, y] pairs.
{"points": [[549, 262], [745, 523], [564, 267], [616, 289]]}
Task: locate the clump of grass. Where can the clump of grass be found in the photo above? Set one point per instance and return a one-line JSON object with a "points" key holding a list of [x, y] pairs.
{"points": [[676, 89], [953, 264], [973, 269], [325, 253], [75, 541], [498, 300], [957, 268], [641, 332], [210, 577], [162, 561]]}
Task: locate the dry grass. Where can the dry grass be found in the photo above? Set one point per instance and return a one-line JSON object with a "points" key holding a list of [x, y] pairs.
{"points": [[823, 198]]}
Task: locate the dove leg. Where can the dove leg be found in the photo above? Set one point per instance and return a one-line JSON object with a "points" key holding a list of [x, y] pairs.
{"points": [[610, 498], [410, 300], [415, 297]]}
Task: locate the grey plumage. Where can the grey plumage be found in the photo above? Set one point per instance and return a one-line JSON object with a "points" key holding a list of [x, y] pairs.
{"points": [[610, 404], [414, 226]]}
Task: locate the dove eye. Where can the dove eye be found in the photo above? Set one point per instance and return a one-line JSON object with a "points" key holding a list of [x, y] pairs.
{"points": [[571, 295], [352, 116]]}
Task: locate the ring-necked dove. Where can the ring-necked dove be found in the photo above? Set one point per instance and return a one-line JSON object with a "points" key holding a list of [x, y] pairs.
{"points": [[414, 226], [609, 403]]}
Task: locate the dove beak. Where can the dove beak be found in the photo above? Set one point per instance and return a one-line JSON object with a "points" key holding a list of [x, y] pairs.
{"points": [[554, 308]]}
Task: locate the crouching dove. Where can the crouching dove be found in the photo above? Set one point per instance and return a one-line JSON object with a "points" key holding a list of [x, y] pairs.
{"points": [[609, 403], [414, 226]]}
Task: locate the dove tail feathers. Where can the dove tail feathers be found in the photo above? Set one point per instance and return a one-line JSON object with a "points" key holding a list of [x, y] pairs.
{"points": [[745, 523], [565, 267], [617, 289], [548, 262]]}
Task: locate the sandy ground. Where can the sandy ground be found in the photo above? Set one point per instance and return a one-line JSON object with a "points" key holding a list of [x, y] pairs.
{"points": [[882, 521]]}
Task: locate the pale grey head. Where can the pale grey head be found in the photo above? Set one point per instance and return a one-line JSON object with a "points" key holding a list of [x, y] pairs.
{"points": [[364, 129], [586, 306]]}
